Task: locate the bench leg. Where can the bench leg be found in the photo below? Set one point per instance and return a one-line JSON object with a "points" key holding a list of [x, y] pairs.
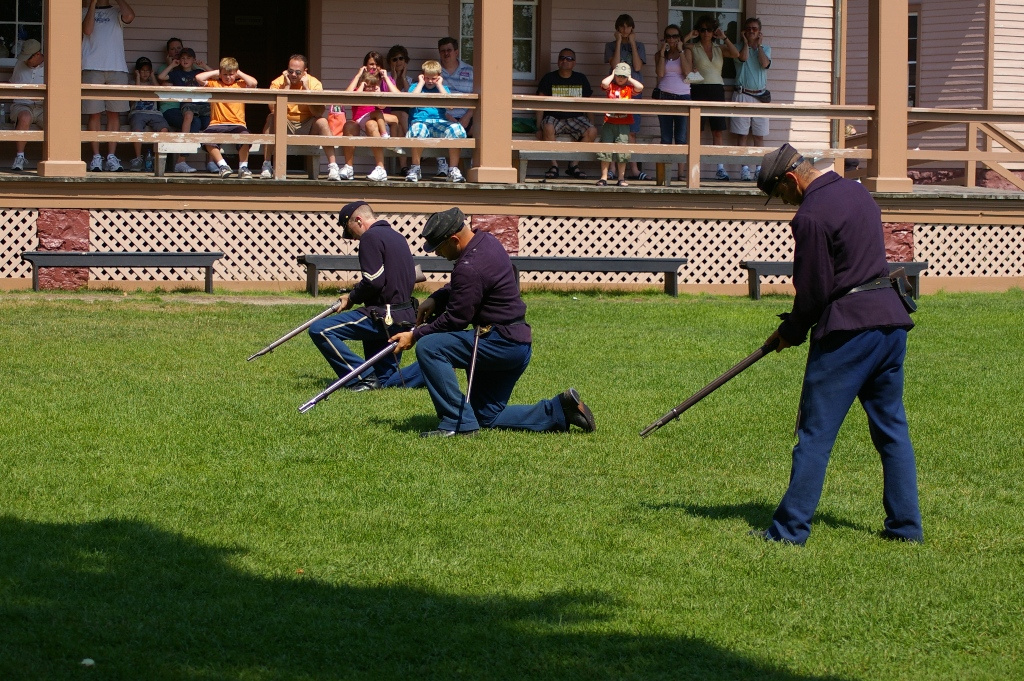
{"points": [[209, 279], [663, 175], [159, 161], [313, 167], [754, 284], [35, 278], [312, 280], [672, 284], [915, 283]]}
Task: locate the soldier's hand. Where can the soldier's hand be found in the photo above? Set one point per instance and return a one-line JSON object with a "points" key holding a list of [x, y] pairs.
{"points": [[346, 302], [426, 309], [783, 344], [404, 340]]}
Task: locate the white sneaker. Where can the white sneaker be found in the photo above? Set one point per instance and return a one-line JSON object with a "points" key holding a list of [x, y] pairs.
{"points": [[722, 175], [333, 173], [442, 167], [745, 175], [19, 162], [455, 175], [96, 164], [244, 173], [211, 167], [268, 171], [378, 174], [182, 167], [113, 164], [224, 171], [347, 172], [414, 174]]}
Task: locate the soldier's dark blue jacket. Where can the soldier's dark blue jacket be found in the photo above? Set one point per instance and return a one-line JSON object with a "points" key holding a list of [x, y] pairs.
{"points": [[389, 273], [483, 290], [839, 245]]}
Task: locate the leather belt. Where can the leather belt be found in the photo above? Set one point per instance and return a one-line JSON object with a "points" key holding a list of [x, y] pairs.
{"points": [[871, 286], [400, 306], [744, 91]]}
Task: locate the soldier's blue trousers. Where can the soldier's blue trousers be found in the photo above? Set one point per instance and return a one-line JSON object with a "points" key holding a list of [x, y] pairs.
{"points": [[840, 368]]}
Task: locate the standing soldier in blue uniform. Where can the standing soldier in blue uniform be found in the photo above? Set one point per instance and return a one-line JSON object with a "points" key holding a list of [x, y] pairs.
{"points": [[385, 290], [858, 327], [484, 292]]}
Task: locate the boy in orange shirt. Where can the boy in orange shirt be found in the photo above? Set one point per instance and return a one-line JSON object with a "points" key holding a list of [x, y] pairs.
{"points": [[619, 84], [228, 117]]}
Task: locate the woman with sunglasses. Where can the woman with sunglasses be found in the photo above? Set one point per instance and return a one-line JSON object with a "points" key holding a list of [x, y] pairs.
{"points": [[398, 63], [671, 64], [708, 59]]}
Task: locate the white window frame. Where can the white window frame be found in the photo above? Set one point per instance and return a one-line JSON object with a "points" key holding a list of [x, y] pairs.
{"points": [[466, 37], [16, 47]]}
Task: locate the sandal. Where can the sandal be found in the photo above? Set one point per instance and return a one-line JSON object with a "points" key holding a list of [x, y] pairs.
{"points": [[621, 183], [640, 176], [552, 173], [574, 171], [602, 183]]}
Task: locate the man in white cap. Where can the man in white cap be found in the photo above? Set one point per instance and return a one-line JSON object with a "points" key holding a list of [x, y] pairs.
{"points": [[26, 112]]}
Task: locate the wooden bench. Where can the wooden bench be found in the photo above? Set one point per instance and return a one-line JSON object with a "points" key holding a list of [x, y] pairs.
{"points": [[126, 259], [669, 267], [784, 268]]}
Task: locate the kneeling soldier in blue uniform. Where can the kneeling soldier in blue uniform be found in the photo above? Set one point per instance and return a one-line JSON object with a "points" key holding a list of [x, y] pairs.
{"points": [[385, 290], [483, 291], [858, 328]]}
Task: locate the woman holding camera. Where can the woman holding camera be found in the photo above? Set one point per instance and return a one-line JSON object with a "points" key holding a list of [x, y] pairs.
{"points": [[708, 59], [671, 64]]}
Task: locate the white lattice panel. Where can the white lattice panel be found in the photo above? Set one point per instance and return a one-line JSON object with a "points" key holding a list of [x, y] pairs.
{"points": [[259, 246], [970, 250], [714, 248], [262, 246], [17, 234]]}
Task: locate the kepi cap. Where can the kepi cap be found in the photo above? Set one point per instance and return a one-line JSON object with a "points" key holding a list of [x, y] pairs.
{"points": [[28, 48], [774, 167], [346, 213], [622, 69], [440, 226]]}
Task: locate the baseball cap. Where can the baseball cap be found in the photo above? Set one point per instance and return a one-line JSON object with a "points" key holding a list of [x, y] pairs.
{"points": [[189, 51], [28, 48], [622, 69], [440, 226], [774, 167]]}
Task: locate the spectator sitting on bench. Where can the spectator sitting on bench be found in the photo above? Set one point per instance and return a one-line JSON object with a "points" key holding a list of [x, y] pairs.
{"points": [[429, 121], [25, 112], [228, 117], [303, 119], [181, 71], [370, 120], [564, 82], [145, 113]]}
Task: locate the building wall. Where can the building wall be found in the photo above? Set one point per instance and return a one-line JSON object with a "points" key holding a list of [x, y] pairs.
{"points": [[1007, 78], [156, 21]]}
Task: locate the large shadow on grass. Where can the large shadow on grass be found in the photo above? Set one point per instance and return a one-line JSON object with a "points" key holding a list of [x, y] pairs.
{"points": [[757, 515], [148, 604]]}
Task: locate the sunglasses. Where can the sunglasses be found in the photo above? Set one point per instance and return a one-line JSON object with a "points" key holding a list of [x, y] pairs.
{"points": [[705, 29], [566, 58], [669, 36], [294, 72], [399, 59]]}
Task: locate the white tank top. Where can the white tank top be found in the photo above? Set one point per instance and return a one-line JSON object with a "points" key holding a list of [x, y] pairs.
{"points": [[672, 81]]}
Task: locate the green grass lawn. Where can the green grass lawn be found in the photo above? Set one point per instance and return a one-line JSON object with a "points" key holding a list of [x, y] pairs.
{"points": [[166, 511]]}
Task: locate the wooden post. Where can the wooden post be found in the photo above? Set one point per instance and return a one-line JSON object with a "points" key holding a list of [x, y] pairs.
{"points": [[492, 80], [62, 141], [887, 91]]}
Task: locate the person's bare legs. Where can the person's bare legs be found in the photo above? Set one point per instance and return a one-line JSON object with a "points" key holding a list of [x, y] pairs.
{"points": [[24, 122], [320, 127], [113, 125]]}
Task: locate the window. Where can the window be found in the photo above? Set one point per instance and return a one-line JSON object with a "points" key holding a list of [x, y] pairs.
{"points": [[524, 37], [685, 13], [913, 41], [20, 20]]}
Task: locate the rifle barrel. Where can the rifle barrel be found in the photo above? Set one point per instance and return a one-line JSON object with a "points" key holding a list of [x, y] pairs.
{"points": [[710, 388], [295, 332], [390, 347]]}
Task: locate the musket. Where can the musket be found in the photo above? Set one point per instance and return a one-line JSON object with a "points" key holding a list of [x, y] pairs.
{"points": [[710, 387], [390, 347], [296, 331]]}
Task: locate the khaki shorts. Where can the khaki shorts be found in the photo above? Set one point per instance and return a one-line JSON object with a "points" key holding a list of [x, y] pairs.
{"points": [[35, 109], [95, 106], [294, 127], [747, 125]]}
